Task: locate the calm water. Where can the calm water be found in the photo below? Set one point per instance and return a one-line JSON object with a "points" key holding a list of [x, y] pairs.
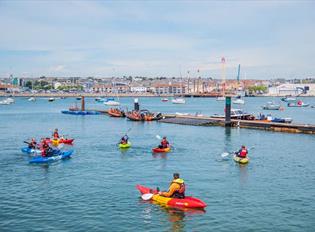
{"points": [[95, 190]]}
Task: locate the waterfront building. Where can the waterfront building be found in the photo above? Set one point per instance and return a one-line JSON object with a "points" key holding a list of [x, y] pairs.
{"points": [[175, 88], [292, 89]]}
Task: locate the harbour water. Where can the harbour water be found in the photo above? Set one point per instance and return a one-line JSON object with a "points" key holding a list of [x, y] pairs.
{"points": [[95, 190]]}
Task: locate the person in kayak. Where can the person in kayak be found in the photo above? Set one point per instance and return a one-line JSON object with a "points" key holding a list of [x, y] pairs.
{"points": [[176, 189], [124, 139], [46, 149], [242, 153], [32, 144], [56, 134], [164, 143]]}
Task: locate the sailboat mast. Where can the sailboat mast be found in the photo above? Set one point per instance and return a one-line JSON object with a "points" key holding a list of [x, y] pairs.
{"points": [[223, 74]]}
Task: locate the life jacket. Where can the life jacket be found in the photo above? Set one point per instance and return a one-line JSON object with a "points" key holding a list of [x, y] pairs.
{"points": [[243, 153], [164, 143], [180, 193], [56, 135]]}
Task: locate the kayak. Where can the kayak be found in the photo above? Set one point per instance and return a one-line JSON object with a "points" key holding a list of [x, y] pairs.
{"points": [[126, 145], [240, 160], [161, 150], [187, 202], [28, 150], [41, 160], [56, 142]]}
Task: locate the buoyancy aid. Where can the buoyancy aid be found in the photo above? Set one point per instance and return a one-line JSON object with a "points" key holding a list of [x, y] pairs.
{"points": [[243, 153], [180, 193], [164, 143]]}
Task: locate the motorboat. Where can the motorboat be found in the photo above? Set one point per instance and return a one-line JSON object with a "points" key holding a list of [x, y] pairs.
{"points": [[51, 99], [111, 103], [239, 101], [10, 100], [164, 99], [236, 114], [288, 99], [178, 101], [32, 99], [4, 102], [271, 106], [221, 98], [299, 103]]}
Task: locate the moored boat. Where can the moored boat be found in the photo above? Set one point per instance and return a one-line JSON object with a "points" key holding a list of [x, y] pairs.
{"points": [[111, 103], [299, 103], [143, 115], [178, 101], [32, 99], [271, 106], [114, 112], [164, 99]]}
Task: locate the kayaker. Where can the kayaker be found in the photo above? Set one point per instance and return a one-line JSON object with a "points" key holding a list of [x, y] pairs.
{"points": [[124, 139], [56, 134], [164, 143], [47, 151], [32, 144], [176, 189], [242, 153]]}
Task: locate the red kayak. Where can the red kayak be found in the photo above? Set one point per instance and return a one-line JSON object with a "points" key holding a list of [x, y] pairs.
{"points": [[161, 150], [64, 141], [187, 202]]}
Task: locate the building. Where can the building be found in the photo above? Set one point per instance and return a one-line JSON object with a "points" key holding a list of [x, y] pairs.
{"points": [[170, 88], [292, 89]]}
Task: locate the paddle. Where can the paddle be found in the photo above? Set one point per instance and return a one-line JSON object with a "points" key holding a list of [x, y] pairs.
{"points": [[147, 196], [225, 154]]}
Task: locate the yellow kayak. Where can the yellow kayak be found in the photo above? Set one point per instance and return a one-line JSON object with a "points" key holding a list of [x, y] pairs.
{"points": [[240, 160], [126, 145]]}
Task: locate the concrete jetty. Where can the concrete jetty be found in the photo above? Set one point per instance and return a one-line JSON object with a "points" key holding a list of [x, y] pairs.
{"points": [[250, 124]]}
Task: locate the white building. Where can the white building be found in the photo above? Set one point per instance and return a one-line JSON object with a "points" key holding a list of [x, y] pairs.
{"points": [[292, 89], [138, 89]]}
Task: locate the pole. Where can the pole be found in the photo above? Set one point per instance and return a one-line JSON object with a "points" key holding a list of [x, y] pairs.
{"points": [[136, 105], [82, 104], [228, 111]]}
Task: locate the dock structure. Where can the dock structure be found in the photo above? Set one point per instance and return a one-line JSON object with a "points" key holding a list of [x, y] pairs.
{"points": [[249, 124]]}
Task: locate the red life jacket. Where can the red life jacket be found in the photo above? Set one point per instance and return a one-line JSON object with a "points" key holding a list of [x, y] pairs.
{"points": [[56, 135], [243, 153], [164, 143]]}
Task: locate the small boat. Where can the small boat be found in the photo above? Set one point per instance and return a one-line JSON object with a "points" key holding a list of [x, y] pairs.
{"points": [[143, 115], [237, 114], [271, 106], [32, 99], [51, 99], [116, 113], [220, 98], [238, 100], [269, 118], [164, 99], [181, 114], [299, 103], [4, 102], [288, 99], [10, 100], [79, 98], [187, 202], [178, 101], [111, 103]]}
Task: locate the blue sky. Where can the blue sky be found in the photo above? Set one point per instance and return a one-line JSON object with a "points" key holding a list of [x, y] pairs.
{"points": [[157, 38]]}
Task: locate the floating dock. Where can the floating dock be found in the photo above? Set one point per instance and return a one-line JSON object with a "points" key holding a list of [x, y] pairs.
{"points": [[250, 124]]}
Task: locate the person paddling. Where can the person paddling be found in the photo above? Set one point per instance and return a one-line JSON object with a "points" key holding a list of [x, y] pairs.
{"points": [[176, 189], [124, 139], [56, 134], [32, 144], [164, 143], [243, 152], [46, 149]]}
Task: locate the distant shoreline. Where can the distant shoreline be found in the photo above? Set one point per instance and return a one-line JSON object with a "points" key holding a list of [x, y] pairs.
{"points": [[2, 94]]}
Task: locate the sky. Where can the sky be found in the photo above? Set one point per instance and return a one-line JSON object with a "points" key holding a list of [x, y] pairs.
{"points": [[269, 39]]}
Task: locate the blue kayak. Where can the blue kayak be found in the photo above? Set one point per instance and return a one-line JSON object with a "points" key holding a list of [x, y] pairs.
{"points": [[42, 160], [30, 150]]}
